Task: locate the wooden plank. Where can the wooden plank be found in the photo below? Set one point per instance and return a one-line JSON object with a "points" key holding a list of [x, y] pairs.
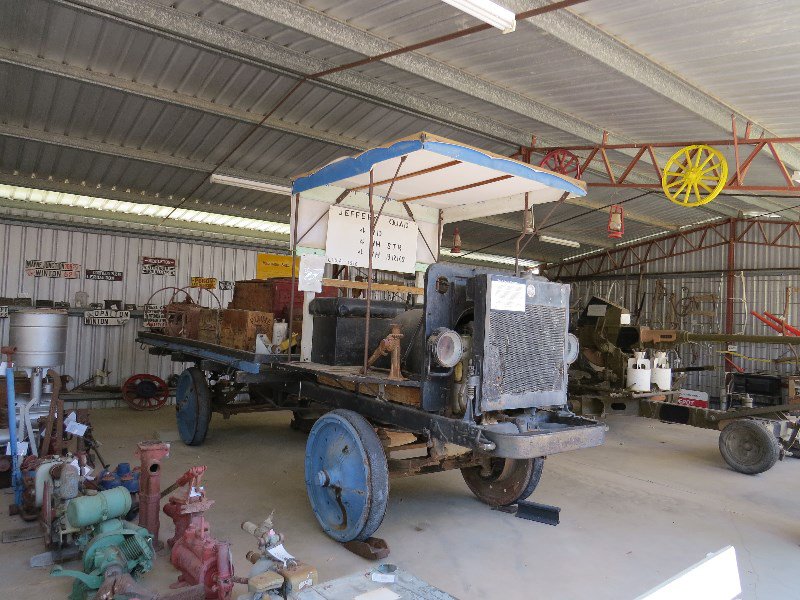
{"points": [[393, 393], [376, 287]]}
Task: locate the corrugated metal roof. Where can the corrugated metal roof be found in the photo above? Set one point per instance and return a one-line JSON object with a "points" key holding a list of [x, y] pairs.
{"points": [[738, 53]]}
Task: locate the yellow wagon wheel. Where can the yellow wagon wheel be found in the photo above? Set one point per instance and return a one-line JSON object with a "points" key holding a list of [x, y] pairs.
{"points": [[694, 175]]}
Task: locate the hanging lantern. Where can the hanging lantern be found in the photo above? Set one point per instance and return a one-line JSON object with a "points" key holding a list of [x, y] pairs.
{"points": [[527, 226], [616, 221], [456, 249]]}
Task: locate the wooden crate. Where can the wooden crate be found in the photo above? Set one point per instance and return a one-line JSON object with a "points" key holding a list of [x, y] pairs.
{"points": [[239, 328], [182, 320], [209, 326], [253, 294]]}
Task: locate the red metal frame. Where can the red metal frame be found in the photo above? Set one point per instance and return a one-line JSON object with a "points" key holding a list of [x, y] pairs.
{"points": [[726, 232], [738, 172]]}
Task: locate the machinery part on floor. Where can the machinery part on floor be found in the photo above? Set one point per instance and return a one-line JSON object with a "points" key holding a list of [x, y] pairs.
{"points": [[201, 558], [145, 392], [59, 480], [274, 570], [193, 406], [109, 544], [748, 447], [562, 161], [534, 511], [115, 546], [151, 454], [119, 585], [123, 475], [347, 476], [371, 548], [11, 399], [504, 481], [390, 345]]}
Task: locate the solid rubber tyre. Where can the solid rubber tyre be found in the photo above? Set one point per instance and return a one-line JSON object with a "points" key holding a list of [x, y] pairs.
{"points": [[351, 503], [748, 447], [192, 406], [510, 480]]}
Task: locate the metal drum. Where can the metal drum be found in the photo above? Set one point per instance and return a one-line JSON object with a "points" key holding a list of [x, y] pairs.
{"points": [[40, 337]]}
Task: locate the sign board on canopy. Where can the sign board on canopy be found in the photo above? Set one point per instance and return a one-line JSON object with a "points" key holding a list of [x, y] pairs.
{"points": [[347, 242]]}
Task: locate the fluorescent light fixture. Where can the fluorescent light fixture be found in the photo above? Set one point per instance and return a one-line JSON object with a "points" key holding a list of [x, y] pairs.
{"points": [[548, 239], [251, 184], [490, 258], [101, 205], [488, 12]]}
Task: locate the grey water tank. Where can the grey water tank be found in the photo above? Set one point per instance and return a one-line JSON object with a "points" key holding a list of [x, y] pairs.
{"points": [[40, 337]]}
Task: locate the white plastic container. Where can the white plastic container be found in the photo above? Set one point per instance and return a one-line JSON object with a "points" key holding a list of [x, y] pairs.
{"points": [[661, 376], [637, 375]]}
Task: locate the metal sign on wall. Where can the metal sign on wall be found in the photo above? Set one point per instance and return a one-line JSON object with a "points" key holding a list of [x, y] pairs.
{"points": [[3, 312], [53, 269], [347, 242], [99, 275], [275, 265], [159, 266], [225, 285], [207, 283], [106, 317]]}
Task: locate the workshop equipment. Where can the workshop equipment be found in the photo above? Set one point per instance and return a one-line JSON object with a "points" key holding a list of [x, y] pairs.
{"points": [[275, 572], [110, 545], [151, 454], [613, 375], [145, 392], [201, 558], [40, 339], [608, 342]]}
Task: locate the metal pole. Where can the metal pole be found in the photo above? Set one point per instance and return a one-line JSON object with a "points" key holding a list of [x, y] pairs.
{"points": [[369, 271], [294, 277], [11, 399]]}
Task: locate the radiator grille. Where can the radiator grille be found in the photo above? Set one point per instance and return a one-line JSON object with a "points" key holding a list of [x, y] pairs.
{"points": [[530, 347]]}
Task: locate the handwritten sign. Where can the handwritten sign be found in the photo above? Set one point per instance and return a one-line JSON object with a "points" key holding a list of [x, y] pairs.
{"points": [[99, 275], [158, 266], [347, 242], [207, 283], [106, 317], [52, 269], [154, 316]]}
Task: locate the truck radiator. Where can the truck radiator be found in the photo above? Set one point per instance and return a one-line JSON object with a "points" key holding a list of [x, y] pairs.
{"points": [[530, 347]]}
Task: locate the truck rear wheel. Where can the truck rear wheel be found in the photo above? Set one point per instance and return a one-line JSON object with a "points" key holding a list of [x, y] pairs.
{"points": [[748, 447], [505, 480]]}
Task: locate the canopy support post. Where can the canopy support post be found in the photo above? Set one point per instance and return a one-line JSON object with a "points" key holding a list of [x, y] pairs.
{"points": [[369, 269]]}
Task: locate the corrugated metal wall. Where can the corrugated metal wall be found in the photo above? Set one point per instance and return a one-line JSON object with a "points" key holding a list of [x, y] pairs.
{"points": [[88, 346], [666, 304]]}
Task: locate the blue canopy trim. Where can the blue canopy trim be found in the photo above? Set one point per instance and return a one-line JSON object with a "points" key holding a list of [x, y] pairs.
{"points": [[358, 165]]}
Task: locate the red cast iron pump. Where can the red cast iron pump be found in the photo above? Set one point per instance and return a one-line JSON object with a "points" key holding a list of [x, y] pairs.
{"points": [[151, 453], [201, 558]]}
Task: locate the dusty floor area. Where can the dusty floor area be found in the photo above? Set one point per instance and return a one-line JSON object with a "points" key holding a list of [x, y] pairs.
{"points": [[651, 502]]}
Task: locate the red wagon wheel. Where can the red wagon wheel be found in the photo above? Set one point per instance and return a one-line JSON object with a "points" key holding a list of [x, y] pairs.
{"points": [[564, 162], [145, 392]]}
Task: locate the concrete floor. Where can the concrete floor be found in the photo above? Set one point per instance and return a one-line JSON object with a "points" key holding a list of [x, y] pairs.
{"points": [[651, 502]]}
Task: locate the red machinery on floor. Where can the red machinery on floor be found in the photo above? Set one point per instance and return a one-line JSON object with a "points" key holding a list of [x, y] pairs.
{"points": [[200, 557]]}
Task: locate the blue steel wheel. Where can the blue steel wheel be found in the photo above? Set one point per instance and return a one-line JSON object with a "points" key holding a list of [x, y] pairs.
{"points": [[193, 406], [347, 477]]}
